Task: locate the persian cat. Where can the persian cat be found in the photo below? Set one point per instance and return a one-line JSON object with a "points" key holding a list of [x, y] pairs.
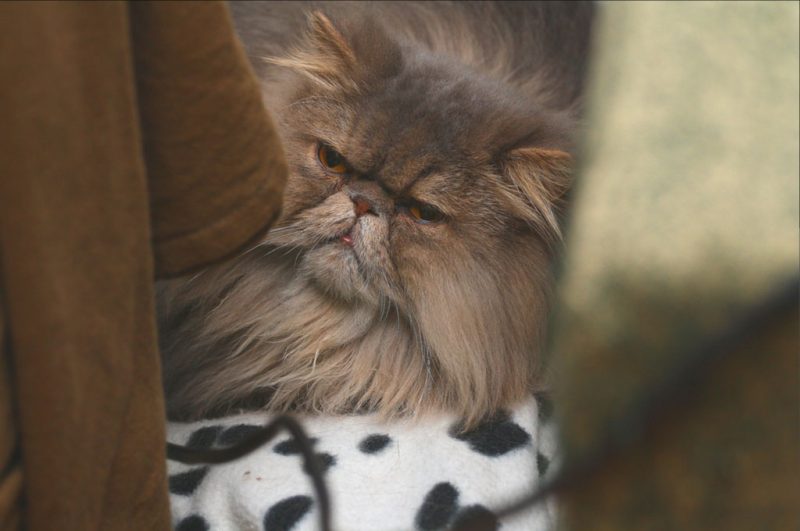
{"points": [[429, 147]]}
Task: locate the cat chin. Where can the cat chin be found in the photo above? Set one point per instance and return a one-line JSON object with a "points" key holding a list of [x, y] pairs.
{"points": [[334, 269], [355, 266]]}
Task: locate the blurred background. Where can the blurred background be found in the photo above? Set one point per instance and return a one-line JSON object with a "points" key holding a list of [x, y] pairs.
{"points": [[685, 218]]}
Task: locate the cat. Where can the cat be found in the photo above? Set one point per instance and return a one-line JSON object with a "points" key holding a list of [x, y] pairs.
{"points": [[430, 149]]}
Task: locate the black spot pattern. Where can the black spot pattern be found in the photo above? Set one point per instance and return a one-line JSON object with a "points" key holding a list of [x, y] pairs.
{"points": [[438, 508], [286, 513], [545, 406], [374, 443], [542, 463], [478, 517], [496, 436], [236, 434], [204, 438], [192, 523], [185, 483], [325, 462], [291, 446]]}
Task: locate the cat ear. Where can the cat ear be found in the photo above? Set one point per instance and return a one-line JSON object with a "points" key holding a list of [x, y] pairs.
{"points": [[536, 182], [339, 56]]}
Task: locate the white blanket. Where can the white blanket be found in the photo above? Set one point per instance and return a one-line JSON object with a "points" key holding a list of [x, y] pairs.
{"points": [[402, 475]]}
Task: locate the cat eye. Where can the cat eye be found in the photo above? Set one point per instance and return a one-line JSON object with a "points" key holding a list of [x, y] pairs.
{"points": [[424, 213], [331, 159]]}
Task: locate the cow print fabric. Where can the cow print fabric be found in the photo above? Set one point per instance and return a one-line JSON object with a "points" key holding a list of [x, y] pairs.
{"points": [[421, 475]]}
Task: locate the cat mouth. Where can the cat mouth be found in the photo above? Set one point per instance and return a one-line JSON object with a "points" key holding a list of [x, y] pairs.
{"points": [[348, 238]]}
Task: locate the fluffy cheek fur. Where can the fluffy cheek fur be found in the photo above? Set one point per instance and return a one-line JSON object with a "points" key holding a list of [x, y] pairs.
{"points": [[477, 300], [399, 322], [481, 306]]}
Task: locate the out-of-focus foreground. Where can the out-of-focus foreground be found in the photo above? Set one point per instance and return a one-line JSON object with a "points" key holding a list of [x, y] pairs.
{"points": [[686, 214]]}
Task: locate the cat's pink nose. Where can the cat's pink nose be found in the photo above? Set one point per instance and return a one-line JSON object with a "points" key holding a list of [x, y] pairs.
{"points": [[362, 207]]}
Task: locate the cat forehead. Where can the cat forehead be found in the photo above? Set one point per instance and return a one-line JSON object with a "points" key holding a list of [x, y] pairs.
{"points": [[430, 113], [428, 117]]}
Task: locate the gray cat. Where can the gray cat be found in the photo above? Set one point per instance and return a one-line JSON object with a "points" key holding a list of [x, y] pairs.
{"points": [[429, 147]]}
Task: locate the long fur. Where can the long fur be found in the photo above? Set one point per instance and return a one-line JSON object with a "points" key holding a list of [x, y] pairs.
{"points": [[471, 107]]}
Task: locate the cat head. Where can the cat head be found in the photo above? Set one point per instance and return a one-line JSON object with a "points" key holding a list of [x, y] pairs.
{"points": [[407, 170], [424, 186]]}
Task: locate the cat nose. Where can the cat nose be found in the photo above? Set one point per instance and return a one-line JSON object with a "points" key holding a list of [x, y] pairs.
{"points": [[362, 206], [367, 198]]}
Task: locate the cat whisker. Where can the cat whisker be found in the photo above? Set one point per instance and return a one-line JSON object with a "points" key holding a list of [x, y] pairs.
{"points": [[314, 362], [383, 307]]}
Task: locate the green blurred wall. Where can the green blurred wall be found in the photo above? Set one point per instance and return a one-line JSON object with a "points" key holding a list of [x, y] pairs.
{"points": [[686, 211]]}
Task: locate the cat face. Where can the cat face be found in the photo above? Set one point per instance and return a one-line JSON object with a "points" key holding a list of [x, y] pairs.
{"points": [[409, 175]]}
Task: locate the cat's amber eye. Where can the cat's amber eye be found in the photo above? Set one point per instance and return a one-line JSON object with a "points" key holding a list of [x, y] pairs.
{"points": [[424, 213], [331, 159]]}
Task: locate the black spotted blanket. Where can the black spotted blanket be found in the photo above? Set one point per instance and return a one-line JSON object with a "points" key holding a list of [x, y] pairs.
{"points": [[403, 475]]}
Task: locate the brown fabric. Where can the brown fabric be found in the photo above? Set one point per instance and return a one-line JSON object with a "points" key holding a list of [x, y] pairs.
{"points": [[204, 140], [134, 143], [10, 471]]}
